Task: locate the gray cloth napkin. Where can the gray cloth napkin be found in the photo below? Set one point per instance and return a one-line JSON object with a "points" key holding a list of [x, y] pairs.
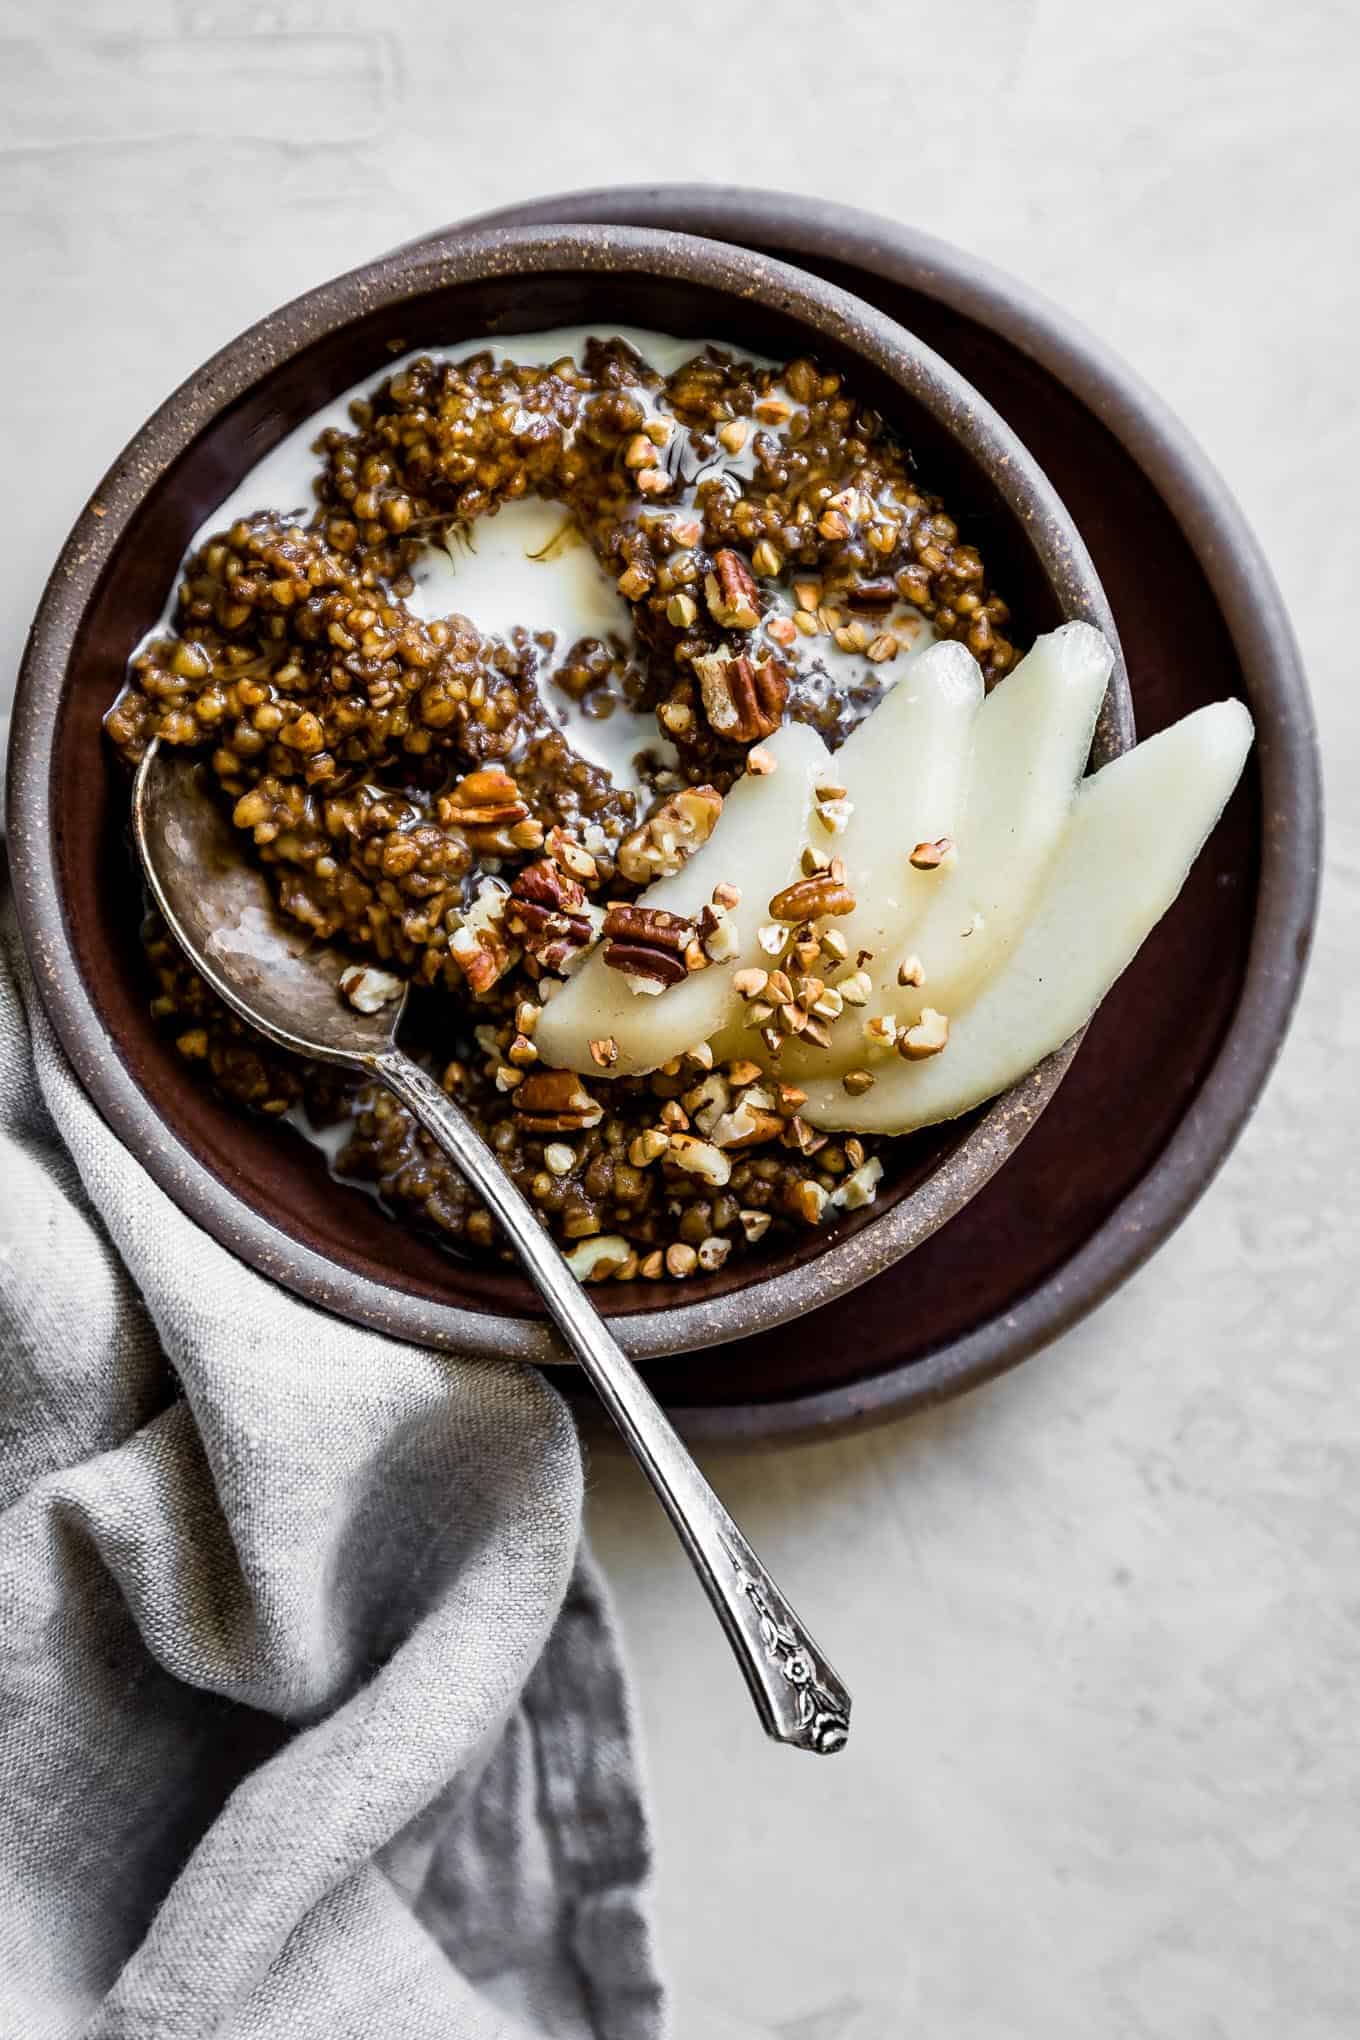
{"points": [[311, 1715]]}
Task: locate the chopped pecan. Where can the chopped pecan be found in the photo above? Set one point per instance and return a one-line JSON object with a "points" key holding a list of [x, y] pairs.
{"points": [[648, 944], [479, 946], [546, 885], [547, 910], [743, 700], [733, 599], [677, 829], [485, 799], [807, 899], [556, 1101]]}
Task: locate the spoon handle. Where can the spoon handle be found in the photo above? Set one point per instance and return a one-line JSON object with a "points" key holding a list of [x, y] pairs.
{"points": [[798, 1696]]}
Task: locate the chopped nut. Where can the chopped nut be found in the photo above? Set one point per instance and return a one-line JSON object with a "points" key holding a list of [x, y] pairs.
{"points": [[833, 526], [639, 452], [653, 1266], [766, 559], [605, 1052], [595, 1260], [782, 629], [883, 648], [773, 411], [749, 984], [521, 1051], [880, 1033], [676, 717], [633, 583], [834, 814], [829, 1003], [759, 763], [732, 435], [929, 856], [804, 620], [708, 1101], [673, 1114], [701, 1055], [754, 1224], [857, 1082], [743, 698], [556, 1101], [834, 944], [741, 1072], [927, 1037], [369, 990], [746, 1125], [648, 1145], [559, 1158], [679, 827], [718, 935], [807, 594], [647, 944], [654, 482], [681, 1260], [725, 895], [852, 637], [731, 593], [773, 939], [700, 1157], [854, 1151], [566, 851], [713, 1252], [807, 1201], [807, 899], [681, 610], [910, 972], [860, 1187], [486, 799]]}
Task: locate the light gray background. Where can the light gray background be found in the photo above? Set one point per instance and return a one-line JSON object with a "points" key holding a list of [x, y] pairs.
{"points": [[1102, 1618]]}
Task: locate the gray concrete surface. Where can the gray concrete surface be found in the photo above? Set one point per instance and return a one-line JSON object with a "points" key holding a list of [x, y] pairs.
{"points": [[1102, 1618]]}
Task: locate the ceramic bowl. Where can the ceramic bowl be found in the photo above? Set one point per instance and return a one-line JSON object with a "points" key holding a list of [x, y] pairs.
{"points": [[250, 1183]]}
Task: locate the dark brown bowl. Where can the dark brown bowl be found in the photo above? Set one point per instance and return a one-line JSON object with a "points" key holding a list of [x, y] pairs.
{"points": [[263, 1194]]}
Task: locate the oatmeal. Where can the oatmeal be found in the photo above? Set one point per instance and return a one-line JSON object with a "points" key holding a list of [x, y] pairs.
{"points": [[473, 799]]}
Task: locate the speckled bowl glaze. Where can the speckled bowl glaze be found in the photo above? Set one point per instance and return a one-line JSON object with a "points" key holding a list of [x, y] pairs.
{"points": [[263, 1194]]}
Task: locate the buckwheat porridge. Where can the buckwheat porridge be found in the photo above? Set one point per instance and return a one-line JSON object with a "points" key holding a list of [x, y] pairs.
{"points": [[589, 684]]}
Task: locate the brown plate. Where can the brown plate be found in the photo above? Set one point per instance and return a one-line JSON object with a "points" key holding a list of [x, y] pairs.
{"points": [[1178, 1054], [246, 1181]]}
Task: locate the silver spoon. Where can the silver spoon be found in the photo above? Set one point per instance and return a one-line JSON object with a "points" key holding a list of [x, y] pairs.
{"points": [[286, 984]]}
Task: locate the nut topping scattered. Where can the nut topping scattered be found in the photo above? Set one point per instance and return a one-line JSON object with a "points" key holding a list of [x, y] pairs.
{"points": [[930, 856], [731, 593], [648, 944], [927, 1037], [807, 899], [556, 1101], [743, 698], [667, 838]]}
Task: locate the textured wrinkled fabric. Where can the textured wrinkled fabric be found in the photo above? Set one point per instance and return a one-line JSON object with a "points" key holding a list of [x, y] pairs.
{"points": [[312, 1721]]}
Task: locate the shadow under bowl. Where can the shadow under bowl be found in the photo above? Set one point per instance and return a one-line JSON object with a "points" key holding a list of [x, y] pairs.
{"points": [[258, 1189]]}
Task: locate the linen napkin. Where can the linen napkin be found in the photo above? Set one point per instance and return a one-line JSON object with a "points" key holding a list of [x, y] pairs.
{"points": [[312, 1721]]}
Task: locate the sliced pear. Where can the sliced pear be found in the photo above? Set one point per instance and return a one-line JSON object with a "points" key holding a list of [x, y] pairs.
{"points": [[905, 771], [1135, 829], [1031, 742], [756, 846]]}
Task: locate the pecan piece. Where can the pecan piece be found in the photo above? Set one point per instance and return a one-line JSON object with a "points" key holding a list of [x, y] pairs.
{"points": [[547, 885], [647, 944], [556, 1101], [731, 593], [807, 899], [677, 829], [743, 700], [485, 799]]}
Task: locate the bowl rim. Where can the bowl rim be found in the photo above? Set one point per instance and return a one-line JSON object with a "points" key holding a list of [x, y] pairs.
{"points": [[452, 257]]}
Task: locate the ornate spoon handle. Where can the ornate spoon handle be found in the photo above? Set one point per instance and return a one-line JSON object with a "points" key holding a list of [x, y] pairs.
{"points": [[798, 1696]]}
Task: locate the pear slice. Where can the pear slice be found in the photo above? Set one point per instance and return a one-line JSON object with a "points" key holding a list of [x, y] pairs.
{"points": [[1031, 742], [905, 771], [1135, 829], [756, 846]]}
